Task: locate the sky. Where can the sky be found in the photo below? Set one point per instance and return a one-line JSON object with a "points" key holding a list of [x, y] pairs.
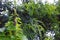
{"points": [[49, 1]]}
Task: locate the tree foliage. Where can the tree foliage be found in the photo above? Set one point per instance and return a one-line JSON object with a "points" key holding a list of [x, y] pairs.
{"points": [[30, 21]]}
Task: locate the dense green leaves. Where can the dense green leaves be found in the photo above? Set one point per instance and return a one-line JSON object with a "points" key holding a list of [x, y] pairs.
{"points": [[31, 20]]}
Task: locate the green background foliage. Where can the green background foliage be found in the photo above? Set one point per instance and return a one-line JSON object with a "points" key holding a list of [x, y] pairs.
{"points": [[42, 17]]}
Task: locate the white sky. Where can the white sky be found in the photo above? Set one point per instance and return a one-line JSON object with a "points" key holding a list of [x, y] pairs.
{"points": [[49, 1]]}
